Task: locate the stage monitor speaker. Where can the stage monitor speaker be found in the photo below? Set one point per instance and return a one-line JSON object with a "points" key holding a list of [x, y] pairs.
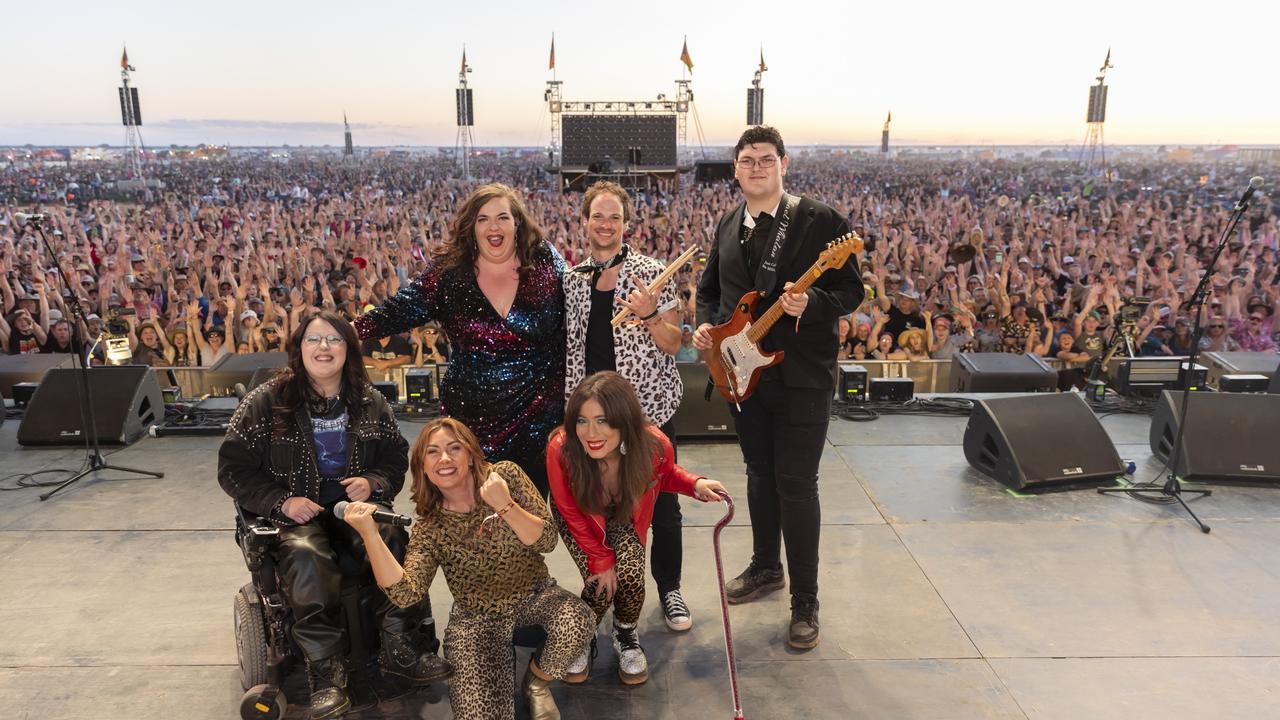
{"points": [[1001, 372], [221, 379], [1039, 443], [1238, 363], [1275, 383], [1230, 437], [126, 402], [697, 417], [29, 367]]}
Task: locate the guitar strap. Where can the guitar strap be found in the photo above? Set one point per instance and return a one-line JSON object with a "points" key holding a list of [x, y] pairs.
{"points": [[767, 275]]}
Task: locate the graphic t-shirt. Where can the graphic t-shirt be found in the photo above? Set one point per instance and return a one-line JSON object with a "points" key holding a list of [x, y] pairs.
{"points": [[329, 433]]}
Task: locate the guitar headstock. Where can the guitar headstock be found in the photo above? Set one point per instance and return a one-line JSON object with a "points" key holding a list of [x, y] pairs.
{"points": [[839, 250]]}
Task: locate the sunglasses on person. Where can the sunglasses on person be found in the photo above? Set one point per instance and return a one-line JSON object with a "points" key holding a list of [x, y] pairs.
{"points": [[1255, 318]]}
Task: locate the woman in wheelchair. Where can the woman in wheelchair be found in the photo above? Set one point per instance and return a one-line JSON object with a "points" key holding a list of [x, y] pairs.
{"points": [[315, 434], [487, 527]]}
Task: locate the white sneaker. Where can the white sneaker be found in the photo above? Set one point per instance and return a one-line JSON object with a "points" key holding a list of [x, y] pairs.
{"points": [[633, 668], [675, 612], [580, 668]]}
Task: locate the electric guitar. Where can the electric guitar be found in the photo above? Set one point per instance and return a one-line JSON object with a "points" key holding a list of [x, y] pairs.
{"points": [[735, 359]]}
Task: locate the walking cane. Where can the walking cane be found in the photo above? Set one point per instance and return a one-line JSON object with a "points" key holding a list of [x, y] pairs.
{"points": [[724, 605]]}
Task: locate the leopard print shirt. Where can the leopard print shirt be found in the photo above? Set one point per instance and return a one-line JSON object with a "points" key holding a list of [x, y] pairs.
{"points": [[650, 371], [488, 574]]}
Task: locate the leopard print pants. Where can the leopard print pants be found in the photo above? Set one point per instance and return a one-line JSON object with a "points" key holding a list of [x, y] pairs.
{"points": [[628, 551], [479, 648]]}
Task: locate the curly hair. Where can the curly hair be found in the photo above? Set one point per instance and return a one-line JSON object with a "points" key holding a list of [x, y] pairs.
{"points": [[760, 134], [461, 250]]}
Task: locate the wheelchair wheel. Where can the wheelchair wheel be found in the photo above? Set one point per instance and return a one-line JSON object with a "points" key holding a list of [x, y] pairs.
{"points": [[252, 707], [251, 638]]}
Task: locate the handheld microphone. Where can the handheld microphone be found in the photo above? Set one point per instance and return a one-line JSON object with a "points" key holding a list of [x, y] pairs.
{"points": [[379, 516], [1255, 182], [24, 218]]}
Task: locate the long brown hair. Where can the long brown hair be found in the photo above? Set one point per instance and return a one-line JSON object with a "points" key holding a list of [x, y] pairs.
{"points": [[623, 413], [461, 250], [295, 385], [427, 498]]}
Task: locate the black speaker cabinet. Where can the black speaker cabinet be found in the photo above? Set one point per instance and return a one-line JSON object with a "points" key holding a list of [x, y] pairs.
{"points": [[1275, 383], [126, 402], [29, 367], [1039, 443], [1230, 437], [1238, 363], [1001, 372], [223, 376], [698, 417]]}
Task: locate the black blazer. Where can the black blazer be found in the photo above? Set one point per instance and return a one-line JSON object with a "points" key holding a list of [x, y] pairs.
{"points": [[811, 352]]}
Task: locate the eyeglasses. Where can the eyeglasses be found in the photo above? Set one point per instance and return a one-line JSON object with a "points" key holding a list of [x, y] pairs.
{"points": [[1217, 327], [330, 340], [1254, 318], [749, 163]]}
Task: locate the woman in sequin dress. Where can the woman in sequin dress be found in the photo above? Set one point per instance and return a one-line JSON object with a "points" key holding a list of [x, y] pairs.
{"points": [[495, 289]]}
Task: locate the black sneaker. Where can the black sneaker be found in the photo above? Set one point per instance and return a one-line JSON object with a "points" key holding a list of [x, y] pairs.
{"points": [[803, 634], [756, 581], [675, 611]]}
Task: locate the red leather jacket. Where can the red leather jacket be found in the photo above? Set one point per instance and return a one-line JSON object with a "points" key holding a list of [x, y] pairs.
{"points": [[588, 529]]}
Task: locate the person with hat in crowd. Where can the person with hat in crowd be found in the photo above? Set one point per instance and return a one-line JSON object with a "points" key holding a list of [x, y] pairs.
{"points": [[912, 344], [945, 344], [1250, 332], [902, 308], [687, 352]]}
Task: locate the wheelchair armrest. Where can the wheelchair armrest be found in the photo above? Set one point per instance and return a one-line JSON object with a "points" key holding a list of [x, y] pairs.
{"points": [[256, 537]]}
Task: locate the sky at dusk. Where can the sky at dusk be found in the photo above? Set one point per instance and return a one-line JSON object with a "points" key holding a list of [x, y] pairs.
{"points": [[283, 72]]}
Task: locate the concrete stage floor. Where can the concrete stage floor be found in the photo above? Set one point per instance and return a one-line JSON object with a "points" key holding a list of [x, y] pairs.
{"points": [[943, 595]]}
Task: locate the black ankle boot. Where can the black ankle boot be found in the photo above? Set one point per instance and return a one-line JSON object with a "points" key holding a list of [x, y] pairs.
{"points": [[329, 697], [403, 657]]}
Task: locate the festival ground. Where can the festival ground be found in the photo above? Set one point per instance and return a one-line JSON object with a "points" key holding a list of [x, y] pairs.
{"points": [[943, 596]]}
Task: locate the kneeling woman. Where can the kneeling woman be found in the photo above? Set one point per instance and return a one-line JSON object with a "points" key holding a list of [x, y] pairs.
{"points": [[606, 466], [487, 527], [315, 434]]}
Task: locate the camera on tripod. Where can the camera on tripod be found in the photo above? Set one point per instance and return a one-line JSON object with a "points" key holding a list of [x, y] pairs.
{"points": [[1133, 308], [114, 324], [116, 337]]}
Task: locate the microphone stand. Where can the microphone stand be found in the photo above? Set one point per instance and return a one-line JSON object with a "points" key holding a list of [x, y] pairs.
{"points": [[1172, 490], [94, 462]]}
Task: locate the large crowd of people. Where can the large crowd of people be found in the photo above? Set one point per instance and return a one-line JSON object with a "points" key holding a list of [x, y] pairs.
{"points": [[231, 253], [556, 415]]}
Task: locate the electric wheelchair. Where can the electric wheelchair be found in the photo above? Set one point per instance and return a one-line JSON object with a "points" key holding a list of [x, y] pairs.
{"points": [[272, 667]]}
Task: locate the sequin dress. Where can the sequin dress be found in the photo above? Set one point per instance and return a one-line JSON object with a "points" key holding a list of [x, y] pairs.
{"points": [[506, 375]]}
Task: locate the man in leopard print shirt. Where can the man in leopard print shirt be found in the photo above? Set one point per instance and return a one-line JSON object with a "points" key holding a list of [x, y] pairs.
{"points": [[615, 276]]}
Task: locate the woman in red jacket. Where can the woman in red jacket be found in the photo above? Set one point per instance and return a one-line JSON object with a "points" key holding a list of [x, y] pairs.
{"points": [[606, 466]]}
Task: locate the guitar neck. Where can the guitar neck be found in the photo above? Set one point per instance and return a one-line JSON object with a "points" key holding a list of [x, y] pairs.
{"points": [[762, 326]]}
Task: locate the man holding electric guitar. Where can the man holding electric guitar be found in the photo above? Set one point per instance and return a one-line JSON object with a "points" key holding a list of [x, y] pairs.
{"points": [[792, 252]]}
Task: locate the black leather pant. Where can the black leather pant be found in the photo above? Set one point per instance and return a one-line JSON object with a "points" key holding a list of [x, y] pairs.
{"points": [[782, 431], [311, 569]]}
